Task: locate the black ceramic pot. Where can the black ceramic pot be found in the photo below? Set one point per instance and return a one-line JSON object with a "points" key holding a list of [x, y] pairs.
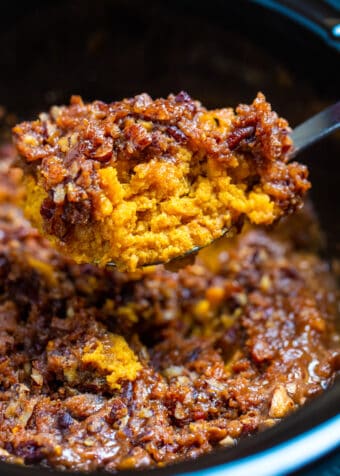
{"points": [[222, 52]]}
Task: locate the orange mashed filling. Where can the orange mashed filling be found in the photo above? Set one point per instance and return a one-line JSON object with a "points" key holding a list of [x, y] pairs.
{"points": [[159, 215], [114, 358]]}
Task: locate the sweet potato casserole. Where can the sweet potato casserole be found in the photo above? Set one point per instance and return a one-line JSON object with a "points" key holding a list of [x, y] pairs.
{"points": [[103, 369]]}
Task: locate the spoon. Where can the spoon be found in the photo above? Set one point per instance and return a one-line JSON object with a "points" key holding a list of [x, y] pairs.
{"points": [[316, 128], [303, 136]]}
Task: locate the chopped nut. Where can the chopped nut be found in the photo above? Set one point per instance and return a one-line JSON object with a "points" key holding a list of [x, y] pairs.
{"points": [[31, 140], [27, 368], [88, 442], [227, 441], [59, 194], [145, 413], [267, 423], [55, 111], [265, 283], [70, 312], [173, 371], [70, 374], [63, 144], [3, 453], [179, 411], [241, 298], [291, 388], [281, 403], [182, 380], [37, 377]]}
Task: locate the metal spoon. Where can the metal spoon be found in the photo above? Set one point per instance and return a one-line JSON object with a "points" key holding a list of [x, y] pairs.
{"points": [[316, 128], [304, 135]]}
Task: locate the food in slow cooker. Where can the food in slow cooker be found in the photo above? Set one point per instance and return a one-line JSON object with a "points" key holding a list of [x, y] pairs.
{"points": [[142, 181], [102, 369]]}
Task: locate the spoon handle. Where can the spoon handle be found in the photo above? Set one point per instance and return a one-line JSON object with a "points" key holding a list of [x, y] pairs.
{"points": [[316, 128]]}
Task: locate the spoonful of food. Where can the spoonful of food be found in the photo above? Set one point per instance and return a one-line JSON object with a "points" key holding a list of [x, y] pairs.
{"points": [[303, 136], [140, 181]]}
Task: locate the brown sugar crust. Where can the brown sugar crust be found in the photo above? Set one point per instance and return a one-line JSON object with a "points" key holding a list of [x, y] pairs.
{"points": [[101, 369], [141, 180]]}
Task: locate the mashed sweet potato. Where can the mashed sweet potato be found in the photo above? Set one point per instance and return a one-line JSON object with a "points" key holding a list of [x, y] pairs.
{"points": [[142, 181]]}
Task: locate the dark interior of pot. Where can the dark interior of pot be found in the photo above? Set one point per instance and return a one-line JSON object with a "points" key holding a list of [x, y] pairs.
{"points": [[220, 52]]}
